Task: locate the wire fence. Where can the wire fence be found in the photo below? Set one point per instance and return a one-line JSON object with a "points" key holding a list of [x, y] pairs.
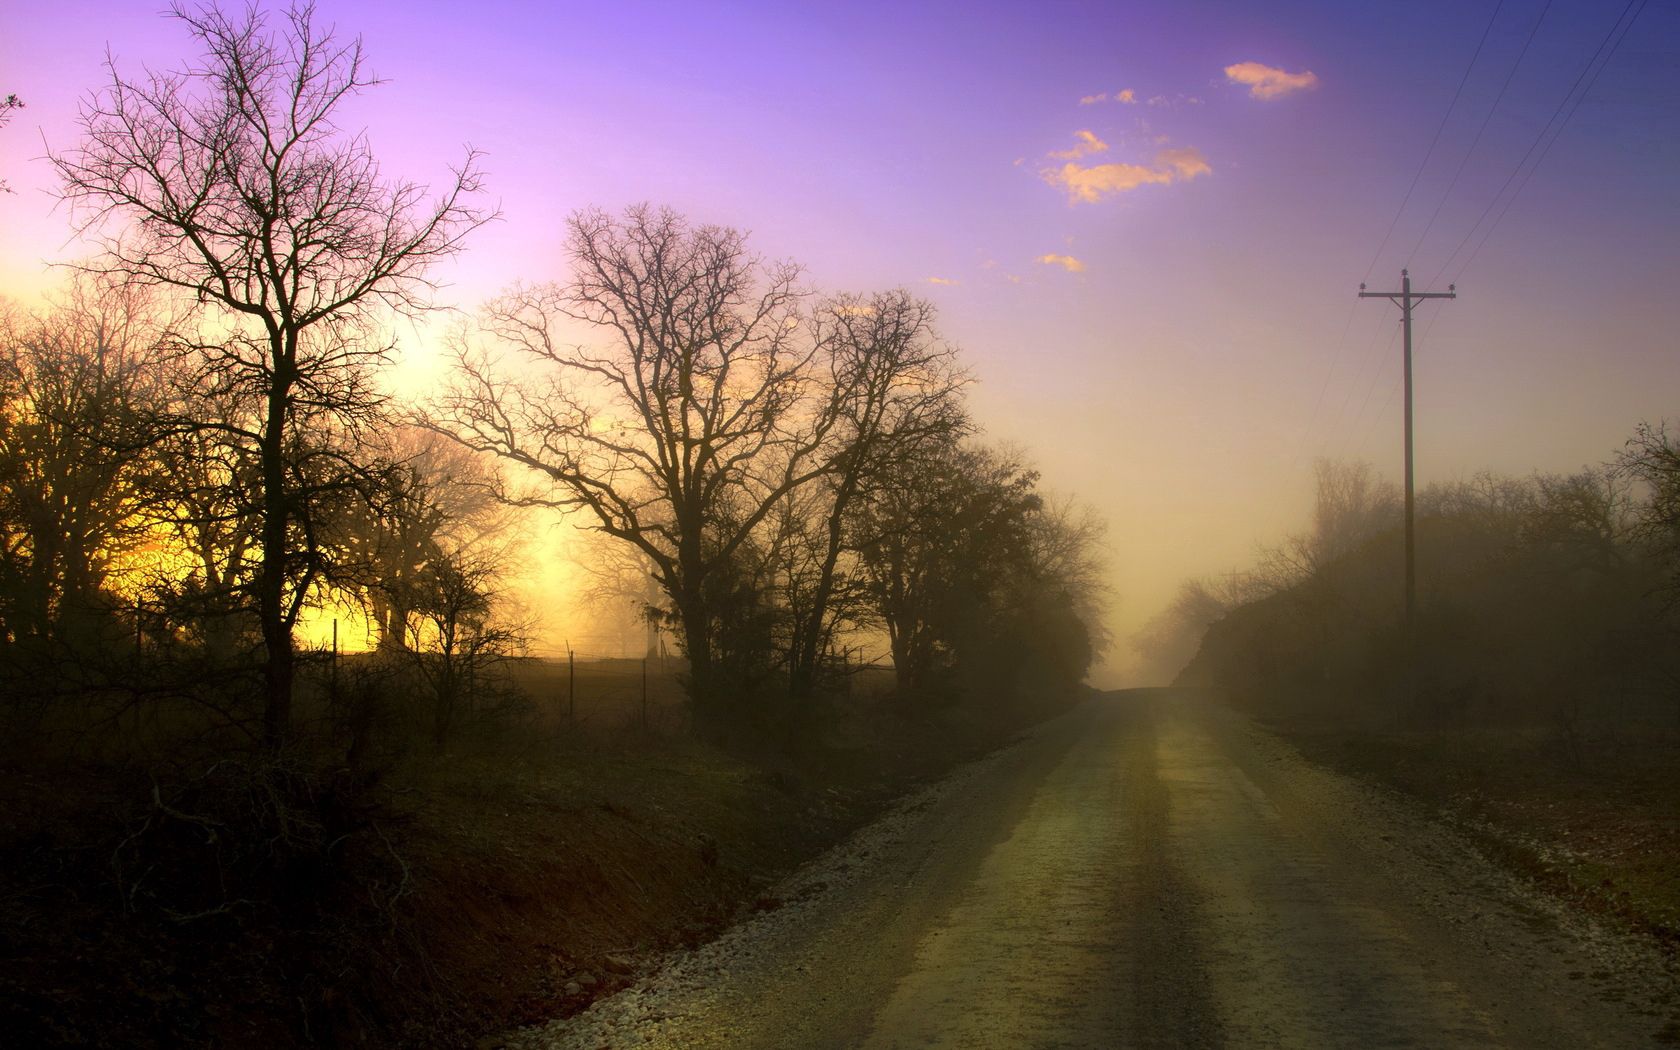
{"points": [[594, 690]]}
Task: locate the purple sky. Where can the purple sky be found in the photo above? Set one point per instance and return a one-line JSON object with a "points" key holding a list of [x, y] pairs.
{"points": [[1207, 347]]}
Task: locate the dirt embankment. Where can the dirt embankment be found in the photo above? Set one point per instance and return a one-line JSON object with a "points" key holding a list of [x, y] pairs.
{"points": [[505, 882]]}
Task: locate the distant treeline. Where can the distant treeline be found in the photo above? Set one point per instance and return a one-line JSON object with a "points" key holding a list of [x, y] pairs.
{"points": [[1546, 601], [198, 446]]}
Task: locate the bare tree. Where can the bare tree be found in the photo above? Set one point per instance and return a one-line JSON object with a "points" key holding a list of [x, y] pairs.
{"points": [[204, 497], [461, 635], [622, 595], [1651, 459], [680, 434], [899, 390], [1582, 522], [430, 498], [75, 409], [7, 106], [231, 183], [1170, 639]]}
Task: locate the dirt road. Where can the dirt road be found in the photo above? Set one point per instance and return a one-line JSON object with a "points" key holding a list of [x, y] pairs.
{"points": [[1149, 871]]}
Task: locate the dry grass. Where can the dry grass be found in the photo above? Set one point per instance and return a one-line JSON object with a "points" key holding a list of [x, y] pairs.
{"points": [[526, 868], [1594, 820]]}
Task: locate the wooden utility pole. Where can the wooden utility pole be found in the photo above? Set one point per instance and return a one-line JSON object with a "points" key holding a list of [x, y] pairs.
{"points": [[1404, 299]]}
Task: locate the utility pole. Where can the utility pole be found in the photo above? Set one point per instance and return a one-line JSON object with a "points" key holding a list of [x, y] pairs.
{"points": [[1404, 299]]}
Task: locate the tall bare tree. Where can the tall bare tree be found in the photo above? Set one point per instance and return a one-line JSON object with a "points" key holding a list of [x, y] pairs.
{"points": [[899, 390], [679, 434], [232, 183]]}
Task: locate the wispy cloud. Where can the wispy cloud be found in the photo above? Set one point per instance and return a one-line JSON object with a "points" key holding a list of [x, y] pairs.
{"points": [[1125, 96], [1085, 144], [943, 280], [1089, 184], [1066, 262], [1267, 83]]}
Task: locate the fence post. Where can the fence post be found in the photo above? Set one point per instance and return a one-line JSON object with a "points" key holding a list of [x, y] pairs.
{"points": [[571, 685], [644, 695]]}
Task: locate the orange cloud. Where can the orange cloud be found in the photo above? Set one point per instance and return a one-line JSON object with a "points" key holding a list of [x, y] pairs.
{"points": [[1091, 184], [1128, 96], [1266, 83], [942, 280], [1186, 162], [1091, 100], [1066, 262], [1085, 143]]}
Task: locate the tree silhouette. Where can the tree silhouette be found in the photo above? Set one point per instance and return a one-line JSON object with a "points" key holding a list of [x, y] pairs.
{"points": [[232, 183], [702, 409], [899, 388], [75, 409]]}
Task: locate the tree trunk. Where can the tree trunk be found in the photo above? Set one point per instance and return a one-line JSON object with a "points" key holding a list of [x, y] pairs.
{"points": [[903, 673], [278, 664], [808, 644], [697, 641]]}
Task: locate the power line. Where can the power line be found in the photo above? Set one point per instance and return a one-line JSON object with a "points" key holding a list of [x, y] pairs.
{"points": [[1371, 388], [1555, 135], [1532, 33], [1370, 354], [1312, 416], [1432, 142], [1372, 358]]}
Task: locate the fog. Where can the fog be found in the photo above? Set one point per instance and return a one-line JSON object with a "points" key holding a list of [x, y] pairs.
{"points": [[496, 503]]}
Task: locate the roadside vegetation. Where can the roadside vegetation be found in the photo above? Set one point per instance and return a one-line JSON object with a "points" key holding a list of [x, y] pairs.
{"points": [[1537, 699], [215, 833]]}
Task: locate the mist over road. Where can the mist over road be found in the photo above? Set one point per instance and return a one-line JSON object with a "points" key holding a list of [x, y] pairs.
{"points": [[1149, 871]]}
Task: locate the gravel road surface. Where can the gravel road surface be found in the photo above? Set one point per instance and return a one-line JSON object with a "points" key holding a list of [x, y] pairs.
{"points": [[1149, 870]]}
